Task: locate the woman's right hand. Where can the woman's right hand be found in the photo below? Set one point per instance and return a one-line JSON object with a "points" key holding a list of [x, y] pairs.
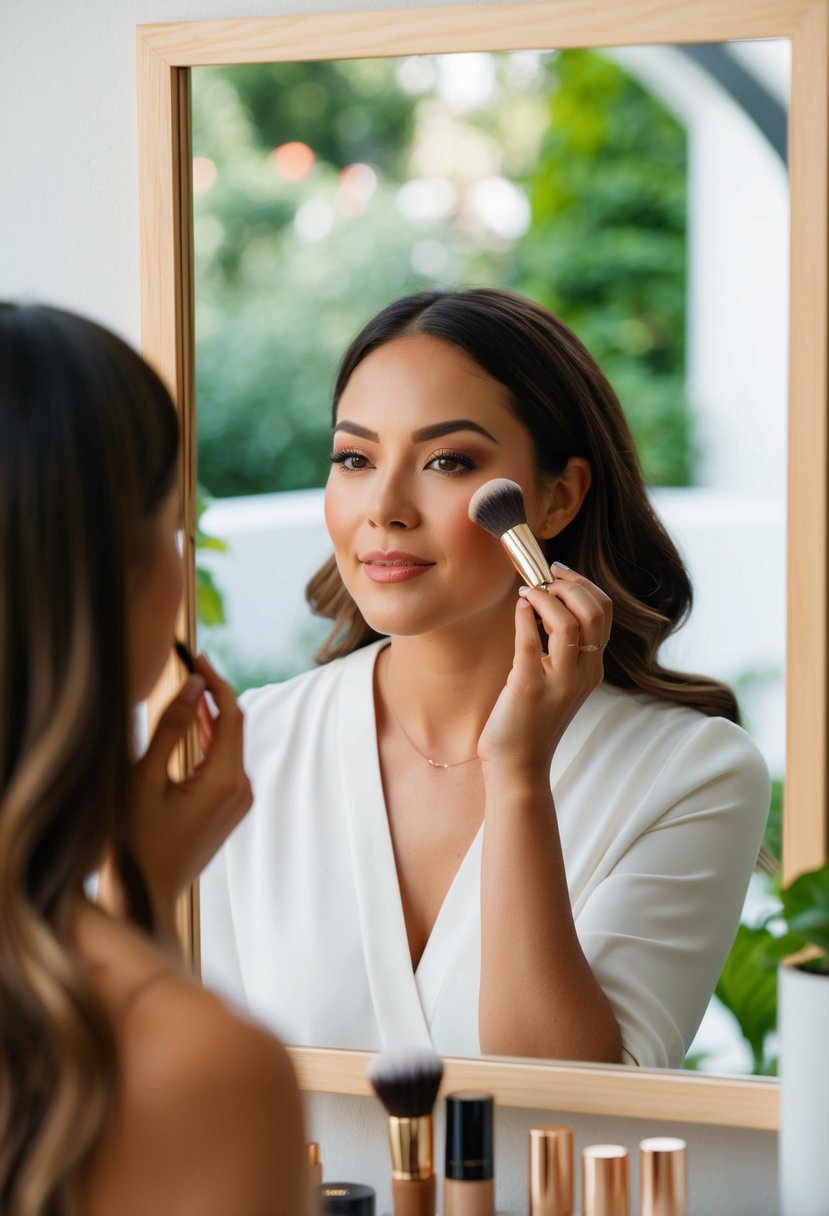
{"points": [[175, 827]]}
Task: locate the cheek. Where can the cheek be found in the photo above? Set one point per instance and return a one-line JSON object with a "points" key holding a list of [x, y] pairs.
{"points": [[334, 512], [473, 545]]}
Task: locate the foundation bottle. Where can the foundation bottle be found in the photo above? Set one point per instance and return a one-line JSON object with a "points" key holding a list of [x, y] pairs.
{"points": [[550, 1173], [469, 1173], [604, 1180], [663, 1172]]}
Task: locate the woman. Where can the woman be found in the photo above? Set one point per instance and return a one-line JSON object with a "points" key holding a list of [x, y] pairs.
{"points": [[491, 820], [125, 1087]]}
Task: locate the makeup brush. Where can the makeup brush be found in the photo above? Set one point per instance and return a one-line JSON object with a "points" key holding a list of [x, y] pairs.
{"points": [[498, 507], [406, 1081]]}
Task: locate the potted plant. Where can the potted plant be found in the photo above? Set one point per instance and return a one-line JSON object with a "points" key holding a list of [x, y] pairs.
{"points": [[799, 946]]}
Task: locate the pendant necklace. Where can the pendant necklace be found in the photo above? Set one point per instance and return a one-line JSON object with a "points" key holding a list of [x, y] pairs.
{"points": [[414, 747]]}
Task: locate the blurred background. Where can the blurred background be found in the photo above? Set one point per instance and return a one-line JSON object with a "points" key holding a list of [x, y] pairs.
{"points": [[641, 195]]}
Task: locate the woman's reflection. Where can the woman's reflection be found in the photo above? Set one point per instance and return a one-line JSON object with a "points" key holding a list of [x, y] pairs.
{"points": [[476, 825]]}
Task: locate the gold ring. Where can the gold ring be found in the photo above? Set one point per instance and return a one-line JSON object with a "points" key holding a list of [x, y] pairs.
{"points": [[589, 649]]}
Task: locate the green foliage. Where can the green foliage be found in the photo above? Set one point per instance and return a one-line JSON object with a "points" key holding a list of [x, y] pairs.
{"points": [[286, 273], [748, 984], [347, 111], [210, 609], [748, 989], [606, 249], [805, 917]]}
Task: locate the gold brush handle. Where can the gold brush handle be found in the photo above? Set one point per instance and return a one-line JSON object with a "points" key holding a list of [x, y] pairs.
{"points": [[526, 555]]}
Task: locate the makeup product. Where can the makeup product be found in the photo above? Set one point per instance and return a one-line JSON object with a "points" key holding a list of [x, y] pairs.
{"points": [[341, 1198], [469, 1182], [498, 507], [314, 1163], [550, 1174], [406, 1081], [604, 1180], [663, 1174], [185, 656]]}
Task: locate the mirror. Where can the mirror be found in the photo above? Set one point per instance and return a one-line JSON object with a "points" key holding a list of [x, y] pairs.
{"points": [[633, 192], [166, 53]]}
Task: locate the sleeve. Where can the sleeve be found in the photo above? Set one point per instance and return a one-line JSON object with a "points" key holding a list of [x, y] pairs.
{"points": [[657, 928]]}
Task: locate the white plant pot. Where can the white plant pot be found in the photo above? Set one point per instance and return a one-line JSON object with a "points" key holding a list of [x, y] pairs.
{"points": [[803, 1021]]}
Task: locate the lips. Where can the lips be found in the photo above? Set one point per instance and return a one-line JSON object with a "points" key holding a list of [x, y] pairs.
{"points": [[393, 565]]}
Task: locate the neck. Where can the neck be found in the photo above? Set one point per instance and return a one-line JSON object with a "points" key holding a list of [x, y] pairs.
{"points": [[442, 685]]}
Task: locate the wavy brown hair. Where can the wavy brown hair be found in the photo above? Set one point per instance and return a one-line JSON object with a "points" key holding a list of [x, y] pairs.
{"points": [[88, 448], [561, 396]]}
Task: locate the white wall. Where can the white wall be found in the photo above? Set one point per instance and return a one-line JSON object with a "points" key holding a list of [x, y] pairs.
{"points": [[69, 235]]}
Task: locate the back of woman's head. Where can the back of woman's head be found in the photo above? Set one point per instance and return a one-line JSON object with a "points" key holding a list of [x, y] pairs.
{"points": [[559, 393], [88, 445]]}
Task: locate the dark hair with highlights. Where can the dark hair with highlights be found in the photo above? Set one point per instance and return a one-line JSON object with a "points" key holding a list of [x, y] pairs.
{"points": [[88, 454], [561, 396]]}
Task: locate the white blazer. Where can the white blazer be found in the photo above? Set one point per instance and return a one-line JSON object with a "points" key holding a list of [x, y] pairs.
{"points": [[661, 812]]}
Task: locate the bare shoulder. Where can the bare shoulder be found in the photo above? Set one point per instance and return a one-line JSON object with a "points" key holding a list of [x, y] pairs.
{"points": [[209, 1116]]}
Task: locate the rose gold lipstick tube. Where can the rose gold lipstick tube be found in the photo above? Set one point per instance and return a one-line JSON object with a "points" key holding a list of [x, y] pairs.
{"points": [[412, 1175], [550, 1173], [526, 555], [663, 1163], [604, 1180]]}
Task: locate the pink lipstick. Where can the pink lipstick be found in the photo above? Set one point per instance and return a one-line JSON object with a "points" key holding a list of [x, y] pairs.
{"points": [[393, 565]]}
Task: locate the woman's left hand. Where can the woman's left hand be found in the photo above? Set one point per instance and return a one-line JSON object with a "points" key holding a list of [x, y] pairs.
{"points": [[544, 691]]}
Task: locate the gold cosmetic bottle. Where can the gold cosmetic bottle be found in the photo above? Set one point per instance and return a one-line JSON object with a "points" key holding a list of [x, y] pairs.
{"points": [[663, 1172], [314, 1162], [604, 1180], [550, 1175]]}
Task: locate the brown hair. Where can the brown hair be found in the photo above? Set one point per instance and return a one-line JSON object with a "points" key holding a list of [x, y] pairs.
{"points": [[88, 447], [561, 396]]}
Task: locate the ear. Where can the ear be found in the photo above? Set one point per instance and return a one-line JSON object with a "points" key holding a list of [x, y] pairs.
{"points": [[564, 495]]}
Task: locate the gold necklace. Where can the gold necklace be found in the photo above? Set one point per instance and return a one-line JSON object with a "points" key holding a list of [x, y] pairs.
{"points": [[413, 745]]}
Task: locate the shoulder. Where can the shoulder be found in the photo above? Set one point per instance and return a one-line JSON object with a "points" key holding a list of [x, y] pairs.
{"points": [[680, 726], [680, 749], [209, 1109]]}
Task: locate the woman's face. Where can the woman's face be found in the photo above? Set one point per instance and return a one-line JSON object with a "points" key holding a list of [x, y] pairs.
{"points": [[419, 427], [155, 590]]}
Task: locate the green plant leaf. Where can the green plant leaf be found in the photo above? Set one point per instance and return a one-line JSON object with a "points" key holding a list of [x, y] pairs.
{"points": [[209, 603], [806, 907], [749, 991], [203, 541], [777, 948]]}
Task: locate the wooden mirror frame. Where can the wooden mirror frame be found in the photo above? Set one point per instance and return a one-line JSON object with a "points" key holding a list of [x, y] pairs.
{"points": [[166, 53]]}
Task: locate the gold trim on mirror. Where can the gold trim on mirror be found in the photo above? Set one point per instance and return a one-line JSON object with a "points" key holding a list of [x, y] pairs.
{"points": [[165, 55]]}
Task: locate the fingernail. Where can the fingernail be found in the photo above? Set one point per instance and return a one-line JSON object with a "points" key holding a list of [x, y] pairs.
{"points": [[522, 591], [192, 689], [560, 566], [522, 603]]}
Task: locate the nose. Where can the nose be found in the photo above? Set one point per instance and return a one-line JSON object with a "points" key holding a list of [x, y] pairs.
{"points": [[392, 505]]}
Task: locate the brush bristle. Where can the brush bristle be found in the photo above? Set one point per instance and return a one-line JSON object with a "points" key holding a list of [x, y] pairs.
{"points": [[406, 1080], [497, 506]]}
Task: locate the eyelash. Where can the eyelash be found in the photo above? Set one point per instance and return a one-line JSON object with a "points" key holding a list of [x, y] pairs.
{"points": [[458, 457], [341, 455]]}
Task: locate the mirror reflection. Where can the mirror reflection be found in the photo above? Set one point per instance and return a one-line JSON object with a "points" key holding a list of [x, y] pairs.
{"points": [[618, 189]]}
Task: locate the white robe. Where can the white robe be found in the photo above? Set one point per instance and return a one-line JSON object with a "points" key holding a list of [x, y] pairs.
{"points": [[661, 812]]}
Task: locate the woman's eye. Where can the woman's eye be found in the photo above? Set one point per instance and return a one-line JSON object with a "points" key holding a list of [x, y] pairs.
{"points": [[352, 461], [450, 462]]}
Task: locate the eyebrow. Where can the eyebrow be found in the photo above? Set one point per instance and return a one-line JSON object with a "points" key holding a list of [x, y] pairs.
{"points": [[435, 431]]}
